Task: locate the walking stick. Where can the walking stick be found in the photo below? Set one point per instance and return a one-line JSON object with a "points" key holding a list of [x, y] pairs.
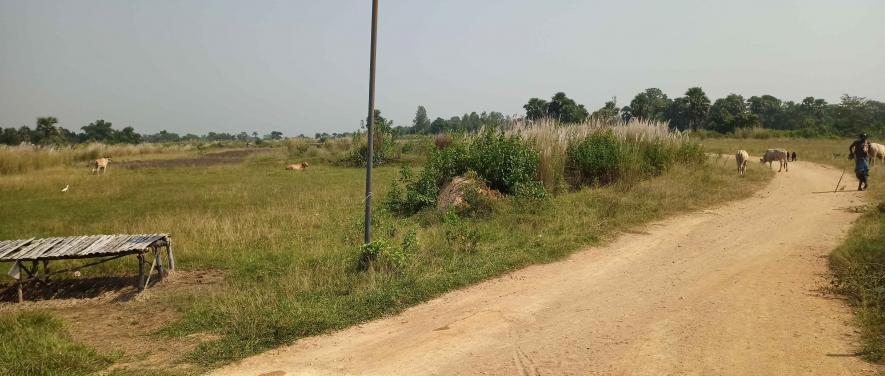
{"points": [[840, 180]]}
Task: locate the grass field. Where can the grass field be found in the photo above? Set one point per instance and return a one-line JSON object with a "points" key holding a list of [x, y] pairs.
{"points": [[288, 243]]}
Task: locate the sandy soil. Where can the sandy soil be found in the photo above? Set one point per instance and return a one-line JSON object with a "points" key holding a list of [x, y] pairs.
{"points": [[731, 291]]}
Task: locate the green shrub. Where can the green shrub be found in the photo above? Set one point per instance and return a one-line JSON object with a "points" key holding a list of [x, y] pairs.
{"points": [[691, 153], [503, 161], [459, 236], [381, 256], [531, 190], [656, 158], [594, 159]]}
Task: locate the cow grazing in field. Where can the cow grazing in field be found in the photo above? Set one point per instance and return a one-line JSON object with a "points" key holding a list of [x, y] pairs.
{"points": [[100, 165], [298, 166], [877, 151], [779, 155], [741, 157]]}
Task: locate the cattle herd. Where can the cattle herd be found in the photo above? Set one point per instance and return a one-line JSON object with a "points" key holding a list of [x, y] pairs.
{"points": [[782, 156]]}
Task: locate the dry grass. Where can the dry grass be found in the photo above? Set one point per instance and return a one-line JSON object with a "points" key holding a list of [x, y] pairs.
{"points": [[24, 158]]}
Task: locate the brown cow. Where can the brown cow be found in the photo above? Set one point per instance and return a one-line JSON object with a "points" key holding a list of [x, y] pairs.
{"points": [[298, 166], [100, 165]]}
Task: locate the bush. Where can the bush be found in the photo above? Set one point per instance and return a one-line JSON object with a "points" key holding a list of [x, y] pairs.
{"points": [[381, 256], [459, 236], [691, 153], [594, 159], [408, 196], [503, 161]]}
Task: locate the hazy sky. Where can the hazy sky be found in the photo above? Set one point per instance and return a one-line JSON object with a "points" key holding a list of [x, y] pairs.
{"points": [[301, 66]]}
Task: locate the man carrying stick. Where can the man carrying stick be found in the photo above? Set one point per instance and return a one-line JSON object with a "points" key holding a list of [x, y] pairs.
{"points": [[859, 151]]}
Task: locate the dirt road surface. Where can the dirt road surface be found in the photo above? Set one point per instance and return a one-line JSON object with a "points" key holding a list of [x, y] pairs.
{"points": [[728, 291]]}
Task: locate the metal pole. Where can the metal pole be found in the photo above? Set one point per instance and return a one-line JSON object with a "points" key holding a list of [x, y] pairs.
{"points": [[370, 125]]}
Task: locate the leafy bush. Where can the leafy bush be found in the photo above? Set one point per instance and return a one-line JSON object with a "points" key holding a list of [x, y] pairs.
{"points": [[381, 256], [531, 190], [690, 153], [459, 236], [503, 161], [408, 195], [594, 159]]}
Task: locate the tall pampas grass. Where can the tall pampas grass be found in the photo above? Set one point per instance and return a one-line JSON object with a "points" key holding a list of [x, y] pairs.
{"points": [[641, 143]]}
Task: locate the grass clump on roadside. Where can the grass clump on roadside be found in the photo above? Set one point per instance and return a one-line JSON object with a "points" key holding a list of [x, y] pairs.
{"points": [[859, 271], [36, 343]]}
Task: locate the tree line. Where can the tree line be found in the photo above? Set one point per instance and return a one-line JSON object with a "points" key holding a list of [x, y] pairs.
{"points": [[693, 111], [47, 132]]}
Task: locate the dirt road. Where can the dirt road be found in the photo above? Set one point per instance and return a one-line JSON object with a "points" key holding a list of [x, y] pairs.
{"points": [[727, 291]]}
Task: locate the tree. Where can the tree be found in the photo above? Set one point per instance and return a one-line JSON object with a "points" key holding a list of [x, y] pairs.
{"points": [[438, 125], [769, 110], [535, 109], [690, 110], [677, 114], [651, 104], [98, 130], [730, 113], [275, 135], [608, 113], [128, 136], [564, 109], [421, 124], [853, 115], [10, 136], [46, 132]]}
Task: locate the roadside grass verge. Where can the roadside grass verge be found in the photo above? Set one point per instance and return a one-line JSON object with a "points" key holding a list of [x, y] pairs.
{"points": [[859, 270], [289, 242], [36, 343]]}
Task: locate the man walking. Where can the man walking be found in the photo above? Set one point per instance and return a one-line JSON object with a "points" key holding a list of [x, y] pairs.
{"points": [[859, 151]]}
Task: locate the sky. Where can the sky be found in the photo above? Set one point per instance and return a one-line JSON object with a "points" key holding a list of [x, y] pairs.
{"points": [[302, 66]]}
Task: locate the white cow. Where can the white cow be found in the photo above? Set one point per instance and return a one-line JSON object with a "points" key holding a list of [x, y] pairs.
{"points": [[779, 155], [741, 157], [877, 151]]}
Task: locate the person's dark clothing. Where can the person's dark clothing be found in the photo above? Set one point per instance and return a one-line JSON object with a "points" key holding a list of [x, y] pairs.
{"points": [[860, 152]]}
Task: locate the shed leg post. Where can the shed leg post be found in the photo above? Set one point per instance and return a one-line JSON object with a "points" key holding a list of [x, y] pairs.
{"points": [[18, 285], [170, 256], [159, 261], [46, 271], [140, 283]]}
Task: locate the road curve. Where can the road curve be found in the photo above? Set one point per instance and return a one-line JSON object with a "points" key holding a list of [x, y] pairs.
{"points": [[727, 291]]}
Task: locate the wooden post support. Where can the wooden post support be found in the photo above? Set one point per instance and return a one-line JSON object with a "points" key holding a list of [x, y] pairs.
{"points": [[169, 256], [21, 295], [140, 282], [159, 261]]}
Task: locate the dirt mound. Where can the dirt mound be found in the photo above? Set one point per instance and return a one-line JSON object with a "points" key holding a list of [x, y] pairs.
{"points": [[455, 193]]}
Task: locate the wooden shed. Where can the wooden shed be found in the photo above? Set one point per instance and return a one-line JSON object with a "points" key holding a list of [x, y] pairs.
{"points": [[27, 255]]}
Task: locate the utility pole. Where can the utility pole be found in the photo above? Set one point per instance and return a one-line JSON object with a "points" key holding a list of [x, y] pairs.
{"points": [[370, 125]]}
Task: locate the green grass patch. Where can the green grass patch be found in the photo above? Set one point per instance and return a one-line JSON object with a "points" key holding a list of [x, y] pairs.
{"points": [[36, 343]]}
